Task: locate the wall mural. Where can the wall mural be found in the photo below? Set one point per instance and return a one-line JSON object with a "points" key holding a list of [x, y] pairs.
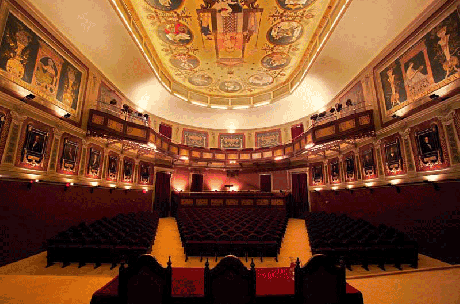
{"points": [[195, 138], [210, 45], [27, 59], [427, 65], [268, 139], [231, 141]]}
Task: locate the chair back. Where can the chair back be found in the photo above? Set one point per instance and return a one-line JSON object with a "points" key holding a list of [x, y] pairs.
{"points": [[144, 281], [230, 282], [320, 281]]}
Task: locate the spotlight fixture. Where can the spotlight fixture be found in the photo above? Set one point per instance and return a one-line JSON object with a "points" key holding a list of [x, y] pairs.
{"points": [[113, 102], [314, 117], [434, 96], [140, 114], [338, 107], [395, 116], [349, 103], [332, 110], [146, 116], [322, 114], [67, 115]]}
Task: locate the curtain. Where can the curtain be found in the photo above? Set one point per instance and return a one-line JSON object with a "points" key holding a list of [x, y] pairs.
{"points": [[197, 183], [299, 194], [162, 193], [266, 183], [165, 130], [296, 131]]}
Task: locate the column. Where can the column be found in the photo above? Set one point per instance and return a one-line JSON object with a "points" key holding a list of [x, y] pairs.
{"points": [[11, 146], [408, 156], [451, 137]]}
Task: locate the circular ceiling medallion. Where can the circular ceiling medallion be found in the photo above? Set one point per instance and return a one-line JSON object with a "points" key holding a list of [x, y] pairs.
{"points": [[294, 5], [260, 79], [285, 32], [200, 79], [184, 61], [165, 5], [175, 33], [230, 86], [276, 61]]}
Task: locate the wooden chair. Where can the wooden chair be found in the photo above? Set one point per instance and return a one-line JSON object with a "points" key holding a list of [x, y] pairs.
{"points": [[230, 282], [145, 281], [320, 281]]}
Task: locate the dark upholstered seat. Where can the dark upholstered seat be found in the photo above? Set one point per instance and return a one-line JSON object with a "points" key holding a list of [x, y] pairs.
{"points": [[230, 282], [320, 281], [145, 281]]}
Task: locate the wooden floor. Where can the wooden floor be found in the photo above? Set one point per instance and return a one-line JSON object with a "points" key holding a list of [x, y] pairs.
{"points": [[28, 281]]}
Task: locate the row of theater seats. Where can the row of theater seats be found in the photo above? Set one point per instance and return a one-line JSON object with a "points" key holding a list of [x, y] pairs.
{"points": [[238, 231], [105, 240], [358, 241]]}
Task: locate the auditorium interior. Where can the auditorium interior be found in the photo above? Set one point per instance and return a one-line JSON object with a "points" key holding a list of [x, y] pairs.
{"points": [[230, 151]]}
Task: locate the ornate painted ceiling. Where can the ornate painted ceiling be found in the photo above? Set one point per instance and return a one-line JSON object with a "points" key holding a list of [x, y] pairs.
{"points": [[231, 53]]}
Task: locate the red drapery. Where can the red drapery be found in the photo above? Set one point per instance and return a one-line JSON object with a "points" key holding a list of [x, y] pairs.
{"points": [[296, 130], [162, 193], [299, 194], [165, 130], [266, 183]]}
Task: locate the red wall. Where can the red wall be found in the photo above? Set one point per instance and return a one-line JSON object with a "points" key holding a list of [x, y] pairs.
{"points": [[30, 216], [431, 217], [216, 179]]}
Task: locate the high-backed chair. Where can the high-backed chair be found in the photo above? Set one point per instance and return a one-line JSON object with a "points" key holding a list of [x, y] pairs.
{"points": [[145, 281], [320, 281], [230, 282]]}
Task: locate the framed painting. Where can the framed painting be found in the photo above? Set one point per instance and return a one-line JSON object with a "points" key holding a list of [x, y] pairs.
{"points": [[112, 167], [128, 168], [368, 163], [94, 163], [429, 149], [350, 167], [317, 174], [69, 155], [32, 59], [393, 157], [144, 173], [34, 146], [335, 171], [427, 63]]}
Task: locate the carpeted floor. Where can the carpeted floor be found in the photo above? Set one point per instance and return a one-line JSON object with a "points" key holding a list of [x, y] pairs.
{"points": [[28, 281]]}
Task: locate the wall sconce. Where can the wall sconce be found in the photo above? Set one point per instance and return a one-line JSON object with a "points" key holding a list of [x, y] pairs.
{"points": [[395, 116], [67, 115], [434, 96], [92, 189]]}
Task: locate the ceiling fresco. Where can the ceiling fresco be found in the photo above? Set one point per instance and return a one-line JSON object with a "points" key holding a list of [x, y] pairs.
{"points": [[231, 52]]}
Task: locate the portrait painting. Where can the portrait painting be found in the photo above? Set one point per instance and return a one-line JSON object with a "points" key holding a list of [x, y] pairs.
{"points": [[39, 64], [368, 162], [294, 5], [285, 32], [184, 61], [2, 121], [393, 156], [112, 168], [165, 5], [335, 171], [94, 162], [144, 173], [276, 61], [231, 141], [260, 79], [34, 146], [317, 174], [268, 139], [69, 155], [427, 64], [350, 167], [230, 86], [175, 33], [200, 79], [128, 168], [428, 144], [195, 139]]}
